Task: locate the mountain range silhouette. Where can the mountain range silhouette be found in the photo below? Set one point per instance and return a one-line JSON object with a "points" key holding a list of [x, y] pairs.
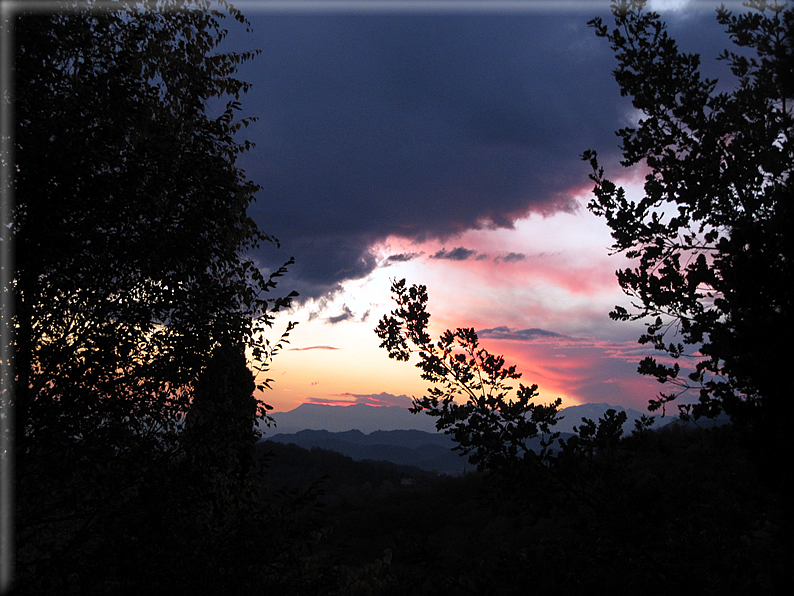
{"points": [[392, 433], [368, 419]]}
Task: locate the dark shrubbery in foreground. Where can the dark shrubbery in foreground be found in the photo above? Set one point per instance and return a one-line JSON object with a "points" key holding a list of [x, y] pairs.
{"points": [[674, 510]]}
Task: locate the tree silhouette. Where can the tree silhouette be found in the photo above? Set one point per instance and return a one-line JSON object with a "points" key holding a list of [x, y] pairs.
{"points": [[488, 425], [131, 298], [712, 235]]}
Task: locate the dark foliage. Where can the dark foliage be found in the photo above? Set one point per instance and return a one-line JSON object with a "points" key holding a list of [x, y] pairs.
{"points": [[674, 510], [131, 302], [712, 235], [427, 451], [489, 426], [343, 480], [132, 311], [658, 511]]}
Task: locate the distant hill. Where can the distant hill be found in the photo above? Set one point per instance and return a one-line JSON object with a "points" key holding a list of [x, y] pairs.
{"points": [[361, 417], [341, 478], [572, 416], [369, 419], [427, 451], [373, 433]]}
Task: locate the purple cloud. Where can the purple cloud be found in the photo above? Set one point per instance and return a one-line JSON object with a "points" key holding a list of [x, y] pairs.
{"points": [[422, 126], [456, 254], [519, 334]]}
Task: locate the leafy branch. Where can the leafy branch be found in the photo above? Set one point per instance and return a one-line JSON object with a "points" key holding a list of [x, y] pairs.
{"points": [[493, 429]]}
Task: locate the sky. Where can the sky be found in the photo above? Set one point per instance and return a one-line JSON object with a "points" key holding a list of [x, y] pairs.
{"points": [[442, 145]]}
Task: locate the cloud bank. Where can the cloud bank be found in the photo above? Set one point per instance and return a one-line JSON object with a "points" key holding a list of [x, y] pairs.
{"points": [[418, 126]]}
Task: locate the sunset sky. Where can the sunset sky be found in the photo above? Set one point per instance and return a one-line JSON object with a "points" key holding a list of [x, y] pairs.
{"points": [[441, 145]]}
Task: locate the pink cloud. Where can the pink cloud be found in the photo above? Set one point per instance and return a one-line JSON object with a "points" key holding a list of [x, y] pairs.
{"points": [[313, 348], [326, 401], [580, 370], [380, 399]]}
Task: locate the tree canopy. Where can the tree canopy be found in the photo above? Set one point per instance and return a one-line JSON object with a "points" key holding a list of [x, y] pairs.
{"points": [[711, 237], [132, 298], [486, 423], [130, 214]]}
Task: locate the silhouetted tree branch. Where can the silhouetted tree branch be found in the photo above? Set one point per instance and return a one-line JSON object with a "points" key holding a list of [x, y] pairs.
{"points": [[488, 425], [712, 235]]}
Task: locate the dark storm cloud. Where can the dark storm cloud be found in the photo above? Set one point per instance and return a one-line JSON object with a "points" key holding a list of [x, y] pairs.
{"points": [[403, 257], [456, 254], [345, 315], [511, 257], [421, 126], [518, 334]]}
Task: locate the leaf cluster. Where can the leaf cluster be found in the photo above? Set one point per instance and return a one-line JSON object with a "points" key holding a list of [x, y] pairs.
{"points": [[592, 437], [470, 391], [133, 303], [711, 235], [130, 221]]}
